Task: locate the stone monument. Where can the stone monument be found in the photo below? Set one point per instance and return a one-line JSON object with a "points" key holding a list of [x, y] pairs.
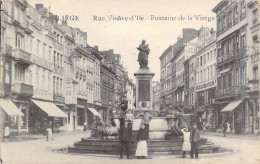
{"points": [[144, 90]]}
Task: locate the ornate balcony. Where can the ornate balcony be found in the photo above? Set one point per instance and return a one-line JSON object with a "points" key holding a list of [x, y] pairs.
{"points": [[22, 56], [230, 92], [59, 98], [42, 94], [22, 89], [230, 56]]}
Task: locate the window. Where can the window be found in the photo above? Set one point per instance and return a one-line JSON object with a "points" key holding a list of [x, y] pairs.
{"points": [[53, 85], [243, 10], [43, 50], [243, 79], [31, 44], [43, 79], [201, 61], [236, 77], [8, 71], [61, 59], [57, 86], [37, 77], [229, 19], [19, 73], [224, 81], [208, 73], [219, 25], [19, 41], [255, 16], [235, 15], [61, 88], [243, 41], [49, 82], [230, 45], [50, 49], [38, 48], [211, 73]]}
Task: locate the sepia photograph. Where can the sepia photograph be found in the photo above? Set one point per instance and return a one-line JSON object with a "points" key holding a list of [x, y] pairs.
{"points": [[129, 81]]}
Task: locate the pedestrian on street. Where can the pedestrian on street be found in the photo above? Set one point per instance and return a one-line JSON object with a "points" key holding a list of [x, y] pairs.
{"points": [[125, 133], [224, 127], [186, 141], [142, 140], [194, 140], [49, 132], [228, 127], [146, 118]]}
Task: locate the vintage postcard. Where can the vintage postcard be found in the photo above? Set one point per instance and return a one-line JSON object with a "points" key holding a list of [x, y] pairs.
{"points": [[129, 81]]}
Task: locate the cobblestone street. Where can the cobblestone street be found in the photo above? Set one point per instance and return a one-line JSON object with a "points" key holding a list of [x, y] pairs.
{"points": [[40, 151]]}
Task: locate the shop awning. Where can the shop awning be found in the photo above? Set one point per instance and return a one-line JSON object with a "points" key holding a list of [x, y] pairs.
{"points": [[231, 106], [51, 109], [10, 108], [92, 110]]}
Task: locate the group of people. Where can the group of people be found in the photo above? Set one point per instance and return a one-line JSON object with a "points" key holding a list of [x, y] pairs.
{"points": [[142, 136], [191, 141]]}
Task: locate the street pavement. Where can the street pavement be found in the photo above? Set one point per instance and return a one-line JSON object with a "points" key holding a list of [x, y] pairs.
{"points": [[38, 151]]}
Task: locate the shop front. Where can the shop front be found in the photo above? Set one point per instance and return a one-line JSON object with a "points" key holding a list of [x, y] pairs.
{"points": [[233, 113], [11, 118], [43, 113]]}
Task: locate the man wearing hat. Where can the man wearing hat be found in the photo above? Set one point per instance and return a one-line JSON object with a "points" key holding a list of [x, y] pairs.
{"points": [[194, 140]]}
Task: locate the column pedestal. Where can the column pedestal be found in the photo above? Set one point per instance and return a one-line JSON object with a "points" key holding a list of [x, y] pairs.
{"points": [[144, 89]]}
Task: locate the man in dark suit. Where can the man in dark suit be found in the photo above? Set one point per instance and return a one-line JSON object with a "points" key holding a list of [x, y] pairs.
{"points": [[125, 136], [194, 139]]}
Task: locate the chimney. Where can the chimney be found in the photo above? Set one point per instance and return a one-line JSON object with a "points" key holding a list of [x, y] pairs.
{"points": [[39, 6], [96, 47], [64, 22], [179, 38]]}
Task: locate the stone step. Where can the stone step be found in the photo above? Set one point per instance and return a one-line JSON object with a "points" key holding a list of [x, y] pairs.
{"points": [[132, 151], [117, 144], [133, 147]]}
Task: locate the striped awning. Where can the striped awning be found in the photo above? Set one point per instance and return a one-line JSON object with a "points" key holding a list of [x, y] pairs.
{"points": [[9, 107], [231, 106]]}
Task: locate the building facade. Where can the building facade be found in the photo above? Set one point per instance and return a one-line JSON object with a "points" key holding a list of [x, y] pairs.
{"points": [[205, 84], [107, 90], [236, 41]]}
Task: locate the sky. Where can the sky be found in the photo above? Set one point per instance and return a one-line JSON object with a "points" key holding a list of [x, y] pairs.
{"points": [[124, 36]]}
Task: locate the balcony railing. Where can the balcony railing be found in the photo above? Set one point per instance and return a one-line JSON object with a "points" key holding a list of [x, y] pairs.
{"points": [[22, 55], [230, 91], [228, 56], [253, 87], [5, 89], [42, 94], [58, 98], [23, 89]]}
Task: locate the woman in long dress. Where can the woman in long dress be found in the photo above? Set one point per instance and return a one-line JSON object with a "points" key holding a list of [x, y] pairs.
{"points": [[186, 141], [141, 138], [228, 127]]}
